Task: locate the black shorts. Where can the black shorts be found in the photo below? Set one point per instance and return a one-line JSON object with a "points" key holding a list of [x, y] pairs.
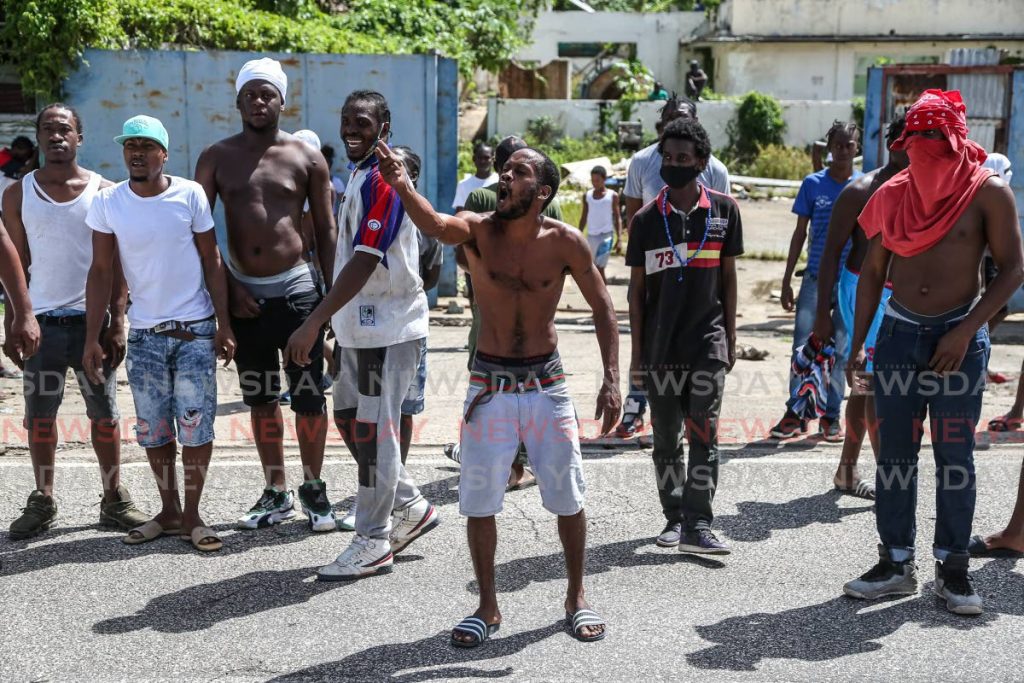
{"points": [[260, 340]]}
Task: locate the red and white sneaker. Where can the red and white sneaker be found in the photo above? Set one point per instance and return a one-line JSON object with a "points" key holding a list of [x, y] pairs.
{"points": [[411, 522], [363, 557]]}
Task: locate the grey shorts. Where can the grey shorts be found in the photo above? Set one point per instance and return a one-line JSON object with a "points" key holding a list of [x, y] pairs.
{"points": [[537, 412], [61, 347]]}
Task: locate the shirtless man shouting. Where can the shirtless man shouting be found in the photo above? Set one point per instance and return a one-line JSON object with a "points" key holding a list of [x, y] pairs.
{"points": [[518, 260], [264, 176]]}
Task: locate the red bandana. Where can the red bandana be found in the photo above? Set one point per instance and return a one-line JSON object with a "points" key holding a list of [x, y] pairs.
{"points": [[917, 207]]}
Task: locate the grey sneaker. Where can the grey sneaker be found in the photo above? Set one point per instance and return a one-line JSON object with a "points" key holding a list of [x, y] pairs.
{"points": [[121, 512], [39, 513], [885, 578], [953, 584], [669, 537], [702, 542]]}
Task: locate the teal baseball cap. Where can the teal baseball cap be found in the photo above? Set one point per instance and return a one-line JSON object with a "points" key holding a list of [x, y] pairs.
{"points": [[143, 126]]}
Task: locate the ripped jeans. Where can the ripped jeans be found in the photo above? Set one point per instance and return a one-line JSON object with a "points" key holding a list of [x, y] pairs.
{"points": [[174, 384]]}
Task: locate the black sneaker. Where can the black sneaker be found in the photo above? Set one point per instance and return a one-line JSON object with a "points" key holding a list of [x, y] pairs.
{"points": [[39, 513], [830, 430], [954, 585], [313, 497], [669, 537], [703, 542], [884, 579], [789, 426]]}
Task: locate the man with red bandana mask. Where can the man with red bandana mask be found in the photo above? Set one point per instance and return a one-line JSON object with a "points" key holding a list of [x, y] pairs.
{"points": [[929, 227]]}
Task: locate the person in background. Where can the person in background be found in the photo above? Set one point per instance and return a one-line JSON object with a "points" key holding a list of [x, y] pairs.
{"points": [[696, 79], [16, 161], [337, 182], [658, 92], [600, 220], [813, 206], [483, 159]]}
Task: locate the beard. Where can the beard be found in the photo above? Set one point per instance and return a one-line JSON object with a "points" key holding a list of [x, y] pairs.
{"points": [[519, 208]]}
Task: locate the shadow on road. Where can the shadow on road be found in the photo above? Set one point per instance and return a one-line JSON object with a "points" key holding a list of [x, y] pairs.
{"points": [[755, 521], [843, 627], [199, 607], [520, 573], [385, 662]]}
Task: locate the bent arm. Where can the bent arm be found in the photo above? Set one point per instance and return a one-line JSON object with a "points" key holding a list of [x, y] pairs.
{"points": [[351, 280]]}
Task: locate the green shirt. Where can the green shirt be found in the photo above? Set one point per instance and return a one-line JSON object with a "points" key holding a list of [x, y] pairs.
{"points": [[485, 200]]}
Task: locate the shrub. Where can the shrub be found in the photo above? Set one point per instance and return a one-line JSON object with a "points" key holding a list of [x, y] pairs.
{"points": [[779, 161], [758, 123]]}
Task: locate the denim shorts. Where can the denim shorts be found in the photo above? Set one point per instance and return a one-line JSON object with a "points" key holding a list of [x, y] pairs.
{"points": [[174, 384], [415, 400]]}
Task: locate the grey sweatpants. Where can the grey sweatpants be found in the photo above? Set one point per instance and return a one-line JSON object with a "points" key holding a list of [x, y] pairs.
{"points": [[375, 382]]}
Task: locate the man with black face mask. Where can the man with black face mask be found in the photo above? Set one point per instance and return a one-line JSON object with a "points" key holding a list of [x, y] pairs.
{"points": [[682, 311]]}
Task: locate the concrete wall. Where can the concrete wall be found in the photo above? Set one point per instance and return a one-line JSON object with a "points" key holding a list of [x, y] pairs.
{"points": [[817, 71], [656, 35], [872, 17], [806, 121]]}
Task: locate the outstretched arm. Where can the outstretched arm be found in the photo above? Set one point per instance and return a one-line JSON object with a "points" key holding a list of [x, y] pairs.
{"points": [[581, 266], [448, 229]]}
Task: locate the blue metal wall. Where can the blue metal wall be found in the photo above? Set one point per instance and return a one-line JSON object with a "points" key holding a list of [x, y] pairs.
{"points": [[193, 93]]}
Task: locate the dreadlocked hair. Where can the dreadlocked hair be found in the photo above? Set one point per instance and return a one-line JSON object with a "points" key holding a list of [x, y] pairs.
{"points": [[848, 127]]}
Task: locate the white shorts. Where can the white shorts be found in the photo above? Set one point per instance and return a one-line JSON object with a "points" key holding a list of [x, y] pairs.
{"points": [[539, 413]]}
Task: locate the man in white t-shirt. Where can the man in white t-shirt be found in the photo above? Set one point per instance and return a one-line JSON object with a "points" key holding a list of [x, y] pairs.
{"points": [[378, 310], [45, 212], [162, 229], [483, 160]]}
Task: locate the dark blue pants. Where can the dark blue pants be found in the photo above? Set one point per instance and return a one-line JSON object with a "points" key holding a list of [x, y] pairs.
{"points": [[905, 392]]}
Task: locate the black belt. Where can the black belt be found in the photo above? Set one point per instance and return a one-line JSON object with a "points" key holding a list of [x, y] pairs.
{"points": [[61, 320], [178, 329]]}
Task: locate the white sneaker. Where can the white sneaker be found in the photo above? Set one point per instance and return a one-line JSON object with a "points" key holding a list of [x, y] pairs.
{"points": [[411, 522], [348, 522], [363, 557]]}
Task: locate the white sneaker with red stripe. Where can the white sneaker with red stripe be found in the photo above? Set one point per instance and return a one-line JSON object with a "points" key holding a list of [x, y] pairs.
{"points": [[363, 557], [411, 522]]}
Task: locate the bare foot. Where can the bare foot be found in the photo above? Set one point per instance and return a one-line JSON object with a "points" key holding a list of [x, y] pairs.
{"points": [[1005, 539], [574, 605], [489, 616]]}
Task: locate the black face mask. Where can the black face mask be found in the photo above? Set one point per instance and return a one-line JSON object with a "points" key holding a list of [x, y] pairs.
{"points": [[679, 176]]}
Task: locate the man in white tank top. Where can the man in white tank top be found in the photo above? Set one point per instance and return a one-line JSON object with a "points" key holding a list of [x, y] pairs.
{"points": [[600, 219], [45, 213]]}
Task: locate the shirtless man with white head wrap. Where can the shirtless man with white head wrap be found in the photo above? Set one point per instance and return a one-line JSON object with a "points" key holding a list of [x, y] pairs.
{"points": [[264, 176]]}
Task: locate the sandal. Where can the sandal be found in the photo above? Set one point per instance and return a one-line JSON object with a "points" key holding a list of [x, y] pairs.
{"points": [[977, 547], [529, 479], [9, 373], [453, 452], [1005, 423], [204, 539], [580, 620], [862, 490], [150, 531], [475, 627]]}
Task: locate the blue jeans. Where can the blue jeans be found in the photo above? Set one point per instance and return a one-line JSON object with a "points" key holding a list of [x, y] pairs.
{"points": [[806, 308], [174, 384], [905, 390]]}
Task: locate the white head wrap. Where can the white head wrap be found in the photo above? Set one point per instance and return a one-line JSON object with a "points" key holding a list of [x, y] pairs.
{"points": [[1000, 164], [309, 137], [265, 69]]}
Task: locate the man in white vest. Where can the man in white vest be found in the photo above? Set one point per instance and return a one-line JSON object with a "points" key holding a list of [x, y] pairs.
{"points": [[45, 215]]}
